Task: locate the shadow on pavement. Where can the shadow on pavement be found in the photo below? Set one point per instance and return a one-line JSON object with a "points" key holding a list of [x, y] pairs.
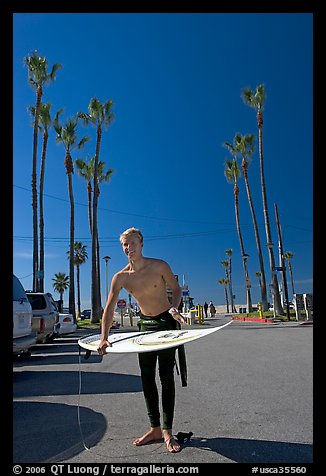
{"points": [[55, 356], [255, 451], [41, 431], [29, 383]]}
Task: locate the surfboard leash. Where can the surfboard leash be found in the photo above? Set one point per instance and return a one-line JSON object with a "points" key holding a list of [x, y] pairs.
{"points": [[79, 394], [86, 356]]}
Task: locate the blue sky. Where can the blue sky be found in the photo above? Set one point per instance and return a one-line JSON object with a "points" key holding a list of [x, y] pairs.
{"points": [[175, 80]]}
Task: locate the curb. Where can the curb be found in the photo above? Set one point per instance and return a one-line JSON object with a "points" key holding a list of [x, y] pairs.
{"points": [[267, 320]]}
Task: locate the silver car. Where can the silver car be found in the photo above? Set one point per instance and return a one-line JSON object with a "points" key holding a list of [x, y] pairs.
{"points": [[67, 324], [45, 320], [23, 335]]}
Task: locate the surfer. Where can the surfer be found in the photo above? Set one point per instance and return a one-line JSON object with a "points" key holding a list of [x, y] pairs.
{"points": [[146, 279]]}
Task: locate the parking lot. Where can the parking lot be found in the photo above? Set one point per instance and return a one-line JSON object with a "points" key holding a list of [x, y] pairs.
{"points": [[249, 400]]}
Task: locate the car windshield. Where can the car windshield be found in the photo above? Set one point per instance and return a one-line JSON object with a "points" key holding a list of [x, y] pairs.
{"points": [[37, 301], [54, 304], [18, 290]]}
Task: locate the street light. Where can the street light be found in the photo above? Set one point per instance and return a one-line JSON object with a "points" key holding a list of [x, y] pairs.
{"points": [[106, 259]]}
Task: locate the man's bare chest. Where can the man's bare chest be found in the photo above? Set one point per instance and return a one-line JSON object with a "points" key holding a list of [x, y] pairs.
{"points": [[144, 281]]}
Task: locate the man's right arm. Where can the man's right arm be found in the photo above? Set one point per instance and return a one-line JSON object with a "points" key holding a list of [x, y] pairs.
{"points": [[108, 313]]}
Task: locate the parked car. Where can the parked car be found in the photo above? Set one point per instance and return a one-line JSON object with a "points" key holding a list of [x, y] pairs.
{"points": [[23, 335], [85, 314], [291, 305], [45, 320], [67, 324]]}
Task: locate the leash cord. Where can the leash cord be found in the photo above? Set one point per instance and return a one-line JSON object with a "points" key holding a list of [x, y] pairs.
{"points": [[78, 404]]}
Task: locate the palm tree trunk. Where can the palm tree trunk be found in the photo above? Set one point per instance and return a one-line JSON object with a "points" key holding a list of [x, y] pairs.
{"points": [[243, 254], [34, 191], [78, 290], [228, 278], [69, 167], [90, 220], [89, 202], [233, 309], [41, 280], [61, 303], [98, 273], [95, 317], [292, 283], [276, 293], [226, 299], [263, 288]]}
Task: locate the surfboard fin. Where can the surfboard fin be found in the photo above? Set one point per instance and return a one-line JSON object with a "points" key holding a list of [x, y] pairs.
{"points": [[87, 354]]}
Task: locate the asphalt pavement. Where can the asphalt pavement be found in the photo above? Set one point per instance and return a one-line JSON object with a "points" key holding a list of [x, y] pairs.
{"points": [[249, 399]]}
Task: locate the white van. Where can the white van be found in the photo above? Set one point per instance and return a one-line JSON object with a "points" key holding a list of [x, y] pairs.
{"points": [[23, 335]]}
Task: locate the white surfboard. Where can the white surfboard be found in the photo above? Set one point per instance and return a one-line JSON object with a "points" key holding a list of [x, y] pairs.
{"points": [[146, 341]]}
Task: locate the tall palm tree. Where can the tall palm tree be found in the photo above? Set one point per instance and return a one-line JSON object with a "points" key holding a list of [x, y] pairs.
{"points": [[288, 255], [224, 283], [256, 99], [99, 115], [80, 257], [232, 174], [243, 146], [225, 263], [67, 135], [229, 253], [38, 76], [60, 285], [86, 170], [45, 123], [258, 274]]}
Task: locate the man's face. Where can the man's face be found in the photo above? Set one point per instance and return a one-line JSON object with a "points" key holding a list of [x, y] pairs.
{"points": [[132, 246]]}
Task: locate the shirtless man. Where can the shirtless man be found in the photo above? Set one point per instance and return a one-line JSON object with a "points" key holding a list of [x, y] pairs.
{"points": [[146, 279]]}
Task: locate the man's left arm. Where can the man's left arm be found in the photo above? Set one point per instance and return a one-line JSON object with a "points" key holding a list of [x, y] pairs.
{"points": [[173, 284]]}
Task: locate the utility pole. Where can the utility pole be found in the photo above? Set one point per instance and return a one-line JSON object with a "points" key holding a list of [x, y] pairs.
{"points": [[280, 244]]}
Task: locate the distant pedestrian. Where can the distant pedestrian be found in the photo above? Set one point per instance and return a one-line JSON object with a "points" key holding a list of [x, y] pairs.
{"points": [[212, 309], [206, 309]]}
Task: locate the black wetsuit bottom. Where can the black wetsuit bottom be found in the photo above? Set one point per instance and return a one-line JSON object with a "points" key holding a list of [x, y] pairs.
{"points": [[166, 363]]}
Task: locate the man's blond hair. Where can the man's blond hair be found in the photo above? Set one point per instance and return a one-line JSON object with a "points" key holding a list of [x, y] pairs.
{"points": [[132, 231]]}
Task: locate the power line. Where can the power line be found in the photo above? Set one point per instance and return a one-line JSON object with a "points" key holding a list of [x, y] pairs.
{"points": [[178, 220], [126, 213]]}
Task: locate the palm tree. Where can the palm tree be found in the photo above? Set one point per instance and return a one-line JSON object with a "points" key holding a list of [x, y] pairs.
{"points": [[256, 99], [98, 115], [86, 170], [68, 136], [288, 255], [232, 174], [229, 252], [243, 146], [38, 76], [45, 123], [224, 283], [258, 274], [61, 283], [80, 257], [225, 263]]}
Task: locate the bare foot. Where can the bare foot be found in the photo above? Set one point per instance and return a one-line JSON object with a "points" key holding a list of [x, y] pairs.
{"points": [[172, 445], [154, 434]]}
